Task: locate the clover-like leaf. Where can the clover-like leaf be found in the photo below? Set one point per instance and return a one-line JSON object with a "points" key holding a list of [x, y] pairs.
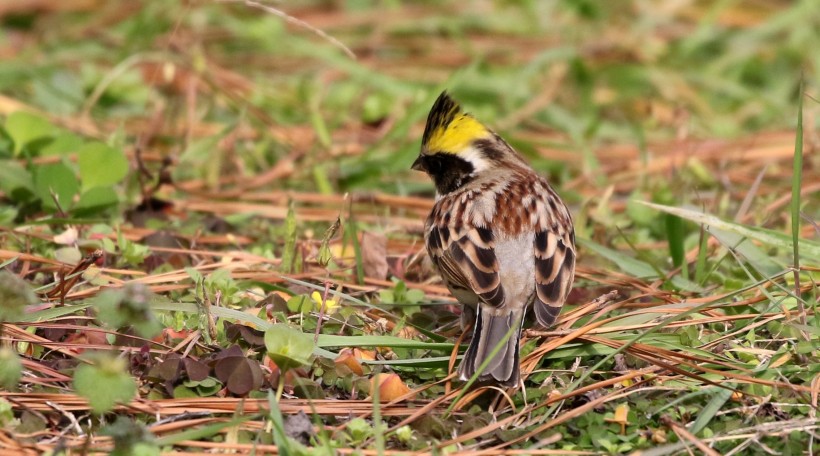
{"points": [[55, 181], [301, 304], [15, 177], [101, 165], [239, 374], [96, 199], [24, 127], [288, 347]]}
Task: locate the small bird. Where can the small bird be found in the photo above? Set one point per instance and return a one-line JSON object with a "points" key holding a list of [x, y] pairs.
{"points": [[499, 235]]}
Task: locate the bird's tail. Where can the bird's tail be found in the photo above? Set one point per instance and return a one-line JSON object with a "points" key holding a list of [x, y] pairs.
{"points": [[489, 332]]}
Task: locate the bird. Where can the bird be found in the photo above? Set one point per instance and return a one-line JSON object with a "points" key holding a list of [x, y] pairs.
{"points": [[499, 235]]}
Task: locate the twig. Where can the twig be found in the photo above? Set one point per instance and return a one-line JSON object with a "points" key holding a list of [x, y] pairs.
{"points": [[68, 280], [322, 310], [71, 418], [684, 434], [295, 21]]}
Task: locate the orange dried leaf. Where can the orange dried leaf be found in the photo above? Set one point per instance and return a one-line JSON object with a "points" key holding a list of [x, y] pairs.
{"points": [[283, 294], [368, 355], [391, 387], [783, 359], [620, 417], [168, 335], [347, 358]]}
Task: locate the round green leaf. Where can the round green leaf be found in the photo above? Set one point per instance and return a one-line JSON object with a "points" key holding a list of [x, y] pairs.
{"points": [[184, 392], [300, 303], [13, 176], [63, 144], [101, 165], [24, 127], [96, 199], [104, 383], [60, 179], [288, 347]]}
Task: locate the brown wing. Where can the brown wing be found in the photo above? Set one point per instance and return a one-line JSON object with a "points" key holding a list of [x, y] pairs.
{"points": [[554, 273], [466, 257]]}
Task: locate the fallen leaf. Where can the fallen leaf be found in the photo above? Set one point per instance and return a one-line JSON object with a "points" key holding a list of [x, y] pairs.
{"points": [[390, 387], [620, 417], [67, 237], [368, 355], [374, 255], [783, 359], [348, 360]]}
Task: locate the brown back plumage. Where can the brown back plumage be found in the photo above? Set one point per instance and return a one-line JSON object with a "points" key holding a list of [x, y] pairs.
{"points": [[501, 238]]}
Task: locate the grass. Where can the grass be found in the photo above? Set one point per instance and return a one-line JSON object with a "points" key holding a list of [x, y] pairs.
{"points": [[236, 168]]}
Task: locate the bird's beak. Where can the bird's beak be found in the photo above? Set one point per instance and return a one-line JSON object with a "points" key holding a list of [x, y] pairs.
{"points": [[418, 165]]}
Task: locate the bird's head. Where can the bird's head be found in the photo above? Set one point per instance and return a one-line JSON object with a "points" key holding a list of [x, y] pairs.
{"points": [[455, 146]]}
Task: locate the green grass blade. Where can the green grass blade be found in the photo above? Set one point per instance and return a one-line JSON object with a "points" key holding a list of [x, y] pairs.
{"points": [[378, 427], [352, 234], [8, 262], [705, 416], [674, 237], [428, 362], [325, 340], [811, 249], [330, 340], [636, 267], [629, 265], [289, 250], [223, 312], [275, 415], [703, 252], [797, 178], [760, 261], [52, 313]]}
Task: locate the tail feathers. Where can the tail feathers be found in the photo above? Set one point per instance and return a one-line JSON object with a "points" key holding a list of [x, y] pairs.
{"points": [[490, 331]]}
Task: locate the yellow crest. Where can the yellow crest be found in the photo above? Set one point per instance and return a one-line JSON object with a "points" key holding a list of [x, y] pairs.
{"points": [[449, 129]]}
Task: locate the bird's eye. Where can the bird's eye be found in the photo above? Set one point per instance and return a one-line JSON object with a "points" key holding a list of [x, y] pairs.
{"points": [[434, 165]]}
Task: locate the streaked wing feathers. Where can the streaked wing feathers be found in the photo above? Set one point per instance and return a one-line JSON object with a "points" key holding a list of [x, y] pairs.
{"points": [[554, 273], [468, 260]]}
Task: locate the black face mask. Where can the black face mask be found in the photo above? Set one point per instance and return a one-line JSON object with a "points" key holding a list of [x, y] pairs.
{"points": [[449, 172]]}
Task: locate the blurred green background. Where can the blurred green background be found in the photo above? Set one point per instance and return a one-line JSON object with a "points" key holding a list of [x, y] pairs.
{"points": [[562, 80]]}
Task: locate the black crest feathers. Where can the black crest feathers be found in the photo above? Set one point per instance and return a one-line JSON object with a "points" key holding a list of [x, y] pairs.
{"points": [[444, 111]]}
